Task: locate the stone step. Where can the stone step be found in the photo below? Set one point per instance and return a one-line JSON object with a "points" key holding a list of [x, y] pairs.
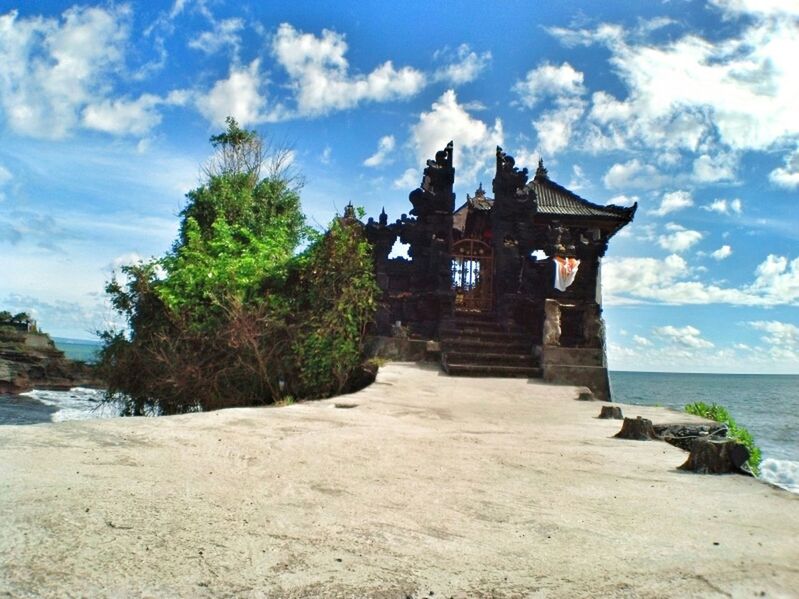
{"points": [[501, 346], [493, 370], [480, 325], [484, 358], [449, 334]]}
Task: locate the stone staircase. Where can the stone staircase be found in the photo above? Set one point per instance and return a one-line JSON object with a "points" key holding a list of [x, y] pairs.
{"points": [[477, 345]]}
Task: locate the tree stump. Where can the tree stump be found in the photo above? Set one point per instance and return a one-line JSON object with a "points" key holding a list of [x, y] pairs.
{"points": [[612, 412], [638, 429], [710, 456]]}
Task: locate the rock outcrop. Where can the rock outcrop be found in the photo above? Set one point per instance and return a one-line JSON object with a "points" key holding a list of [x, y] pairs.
{"points": [[31, 360]]}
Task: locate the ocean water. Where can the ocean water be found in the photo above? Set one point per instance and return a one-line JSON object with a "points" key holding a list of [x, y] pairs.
{"points": [[767, 405], [78, 349]]}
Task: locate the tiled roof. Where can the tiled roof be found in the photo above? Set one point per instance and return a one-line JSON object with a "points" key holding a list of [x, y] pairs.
{"points": [[557, 200]]}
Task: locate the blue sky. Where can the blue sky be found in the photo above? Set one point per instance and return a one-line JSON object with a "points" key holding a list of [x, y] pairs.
{"points": [[687, 107]]}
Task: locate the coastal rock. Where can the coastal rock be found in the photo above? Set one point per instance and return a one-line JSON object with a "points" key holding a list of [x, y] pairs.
{"points": [[30, 359], [611, 412], [713, 456], [638, 429]]}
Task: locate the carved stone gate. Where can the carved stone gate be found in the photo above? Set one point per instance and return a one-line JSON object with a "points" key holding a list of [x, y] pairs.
{"points": [[472, 276]]}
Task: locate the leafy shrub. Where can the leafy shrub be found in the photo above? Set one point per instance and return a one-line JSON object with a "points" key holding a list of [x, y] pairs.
{"points": [[734, 430]]}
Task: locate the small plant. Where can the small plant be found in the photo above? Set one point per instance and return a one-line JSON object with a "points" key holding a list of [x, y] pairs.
{"points": [[734, 430]]}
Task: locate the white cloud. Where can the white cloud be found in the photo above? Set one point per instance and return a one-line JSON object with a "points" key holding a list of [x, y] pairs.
{"points": [[564, 85], [672, 281], [722, 253], [326, 155], [640, 277], [5, 175], [51, 69], [555, 127], [642, 341], [408, 180], [758, 7], [385, 146], [121, 116], [687, 336], [467, 68], [633, 174], [238, 96], [709, 169], [787, 176], [778, 278], [224, 34], [320, 76], [736, 93], [475, 141], [779, 334], [679, 239], [672, 202], [549, 81], [723, 206], [623, 200]]}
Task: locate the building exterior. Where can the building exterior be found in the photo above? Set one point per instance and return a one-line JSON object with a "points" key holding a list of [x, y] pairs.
{"points": [[509, 285]]}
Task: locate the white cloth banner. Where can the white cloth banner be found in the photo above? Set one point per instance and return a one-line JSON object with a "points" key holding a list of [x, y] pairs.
{"points": [[565, 271]]}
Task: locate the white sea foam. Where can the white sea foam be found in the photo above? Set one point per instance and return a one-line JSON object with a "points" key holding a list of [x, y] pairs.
{"points": [[78, 403], [783, 473]]}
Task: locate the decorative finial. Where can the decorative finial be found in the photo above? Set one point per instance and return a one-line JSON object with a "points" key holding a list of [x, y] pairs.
{"points": [[383, 217], [541, 171], [349, 211], [480, 191]]}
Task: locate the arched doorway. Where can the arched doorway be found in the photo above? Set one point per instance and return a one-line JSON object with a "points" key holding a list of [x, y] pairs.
{"points": [[472, 276]]}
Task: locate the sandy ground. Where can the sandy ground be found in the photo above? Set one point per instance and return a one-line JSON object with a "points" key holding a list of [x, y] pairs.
{"points": [[428, 486]]}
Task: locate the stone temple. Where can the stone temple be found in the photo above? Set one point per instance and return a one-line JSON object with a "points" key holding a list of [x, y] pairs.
{"points": [[502, 286]]}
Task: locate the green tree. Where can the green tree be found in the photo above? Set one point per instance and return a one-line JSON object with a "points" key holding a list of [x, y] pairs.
{"points": [[233, 315]]}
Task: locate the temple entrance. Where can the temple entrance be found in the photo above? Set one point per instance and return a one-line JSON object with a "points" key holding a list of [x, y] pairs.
{"points": [[472, 276]]}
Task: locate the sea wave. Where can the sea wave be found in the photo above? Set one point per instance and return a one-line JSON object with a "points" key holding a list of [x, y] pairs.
{"points": [[783, 473], [79, 403]]}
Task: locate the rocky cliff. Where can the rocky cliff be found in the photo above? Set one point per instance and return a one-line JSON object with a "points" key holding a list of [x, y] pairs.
{"points": [[30, 360]]}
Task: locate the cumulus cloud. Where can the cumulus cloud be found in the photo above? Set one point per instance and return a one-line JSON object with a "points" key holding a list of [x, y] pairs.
{"points": [[707, 169], [778, 334], [555, 127], [673, 281], [123, 116], [778, 277], [408, 180], [679, 238], [564, 85], [475, 141], [723, 206], [633, 174], [735, 93], [549, 80], [672, 202], [466, 68], [787, 176], [687, 336], [722, 253], [385, 146], [52, 69], [642, 341], [321, 79], [239, 96]]}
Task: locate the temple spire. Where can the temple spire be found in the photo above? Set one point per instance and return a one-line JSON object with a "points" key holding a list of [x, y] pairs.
{"points": [[541, 172]]}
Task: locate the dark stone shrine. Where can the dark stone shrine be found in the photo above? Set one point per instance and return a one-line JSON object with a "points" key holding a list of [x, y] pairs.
{"points": [[508, 286]]}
